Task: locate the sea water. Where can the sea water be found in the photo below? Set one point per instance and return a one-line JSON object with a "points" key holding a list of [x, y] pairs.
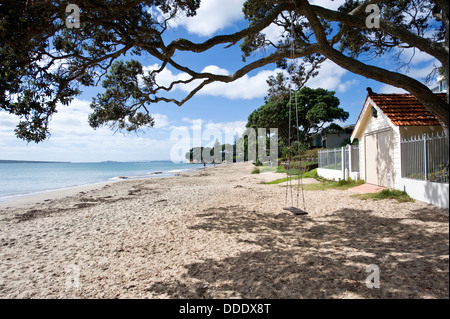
{"points": [[26, 178]]}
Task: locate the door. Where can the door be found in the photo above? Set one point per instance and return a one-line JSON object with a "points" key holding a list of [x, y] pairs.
{"points": [[371, 159], [379, 164], [385, 163]]}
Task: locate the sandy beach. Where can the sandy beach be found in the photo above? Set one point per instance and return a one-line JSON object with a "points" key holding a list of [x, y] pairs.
{"points": [[219, 233]]}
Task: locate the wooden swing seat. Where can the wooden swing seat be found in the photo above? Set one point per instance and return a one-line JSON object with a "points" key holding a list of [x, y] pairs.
{"points": [[295, 211]]}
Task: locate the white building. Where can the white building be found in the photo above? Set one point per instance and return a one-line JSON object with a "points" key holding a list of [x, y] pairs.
{"points": [[386, 120]]}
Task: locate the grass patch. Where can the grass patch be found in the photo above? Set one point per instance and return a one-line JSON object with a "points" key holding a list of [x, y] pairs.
{"points": [[399, 196], [256, 171], [294, 171], [280, 180], [310, 174], [281, 169], [327, 184], [323, 185]]}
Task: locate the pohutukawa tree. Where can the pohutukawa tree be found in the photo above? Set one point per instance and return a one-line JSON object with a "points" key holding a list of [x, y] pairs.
{"points": [[43, 63], [313, 109]]}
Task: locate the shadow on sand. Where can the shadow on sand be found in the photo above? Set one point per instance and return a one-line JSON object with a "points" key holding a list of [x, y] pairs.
{"points": [[300, 257]]}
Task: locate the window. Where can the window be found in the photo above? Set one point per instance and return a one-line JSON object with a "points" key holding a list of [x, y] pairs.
{"points": [[374, 112]]}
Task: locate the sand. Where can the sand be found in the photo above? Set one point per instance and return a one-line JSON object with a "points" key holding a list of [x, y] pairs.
{"points": [[219, 233]]}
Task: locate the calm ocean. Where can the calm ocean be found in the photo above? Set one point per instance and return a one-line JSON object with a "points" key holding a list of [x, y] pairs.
{"points": [[26, 178]]}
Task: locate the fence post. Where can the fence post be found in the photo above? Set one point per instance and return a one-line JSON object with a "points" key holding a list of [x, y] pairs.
{"points": [[350, 160], [335, 159], [425, 156], [318, 158]]}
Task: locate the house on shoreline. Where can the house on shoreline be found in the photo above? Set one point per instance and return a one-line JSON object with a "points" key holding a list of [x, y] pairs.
{"points": [[401, 146], [332, 138], [385, 125]]}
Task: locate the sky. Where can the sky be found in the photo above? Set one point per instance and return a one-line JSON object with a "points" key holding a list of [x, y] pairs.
{"points": [[218, 111]]}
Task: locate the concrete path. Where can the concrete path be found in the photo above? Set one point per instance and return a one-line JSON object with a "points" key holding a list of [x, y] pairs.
{"points": [[366, 188]]}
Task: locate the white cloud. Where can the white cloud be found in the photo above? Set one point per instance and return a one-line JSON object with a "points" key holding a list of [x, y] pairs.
{"points": [[389, 89], [250, 87], [161, 120], [7, 122], [189, 120], [215, 70], [212, 16], [421, 72], [330, 78], [73, 139], [273, 33], [415, 56], [329, 4], [343, 87], [216, 15], [246, 87], [223, 131], [166, 76], [229, 129]]}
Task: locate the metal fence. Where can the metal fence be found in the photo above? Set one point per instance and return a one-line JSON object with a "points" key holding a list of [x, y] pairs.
{"points": [[355, 158], [332, 158], [426, 157]]}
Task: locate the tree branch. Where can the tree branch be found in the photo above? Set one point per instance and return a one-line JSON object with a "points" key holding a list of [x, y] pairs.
{"points": [[437, 50], [186, 45], [434, 103], [209, 77]]}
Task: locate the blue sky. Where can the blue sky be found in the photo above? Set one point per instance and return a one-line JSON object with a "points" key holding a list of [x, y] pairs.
{"points": [[219, 108]]}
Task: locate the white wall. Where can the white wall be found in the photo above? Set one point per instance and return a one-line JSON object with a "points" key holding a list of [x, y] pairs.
{"points": [[330, 173], [375, 124], [409, 131], [378, 123], [429, 192], [336, 175], [370, 124], [396, 157]]}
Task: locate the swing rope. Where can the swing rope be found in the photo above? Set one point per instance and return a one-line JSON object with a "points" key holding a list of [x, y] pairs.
{"points": [[300, 179], [294, 210]]}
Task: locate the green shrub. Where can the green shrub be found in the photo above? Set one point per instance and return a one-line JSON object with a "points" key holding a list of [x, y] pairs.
{"points": [[327, 184], [399, 196], [258, 163], [311, 154], [256, 171], [310, 174]]}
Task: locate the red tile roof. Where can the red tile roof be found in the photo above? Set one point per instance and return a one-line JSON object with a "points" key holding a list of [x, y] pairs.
{"points": [[405, 109]]}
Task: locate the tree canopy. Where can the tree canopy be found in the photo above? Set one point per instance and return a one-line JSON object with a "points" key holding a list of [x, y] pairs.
{"points": [[43, 63], [316, 108]]}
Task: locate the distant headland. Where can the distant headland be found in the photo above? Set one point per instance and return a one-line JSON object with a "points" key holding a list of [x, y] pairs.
{"points": [[20, 161]]}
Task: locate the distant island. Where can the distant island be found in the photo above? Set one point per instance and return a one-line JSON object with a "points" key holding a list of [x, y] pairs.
{"points": [[20, 161]]}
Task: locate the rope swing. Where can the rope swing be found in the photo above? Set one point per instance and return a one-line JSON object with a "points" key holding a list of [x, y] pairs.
{"points": [[294, 209]]}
